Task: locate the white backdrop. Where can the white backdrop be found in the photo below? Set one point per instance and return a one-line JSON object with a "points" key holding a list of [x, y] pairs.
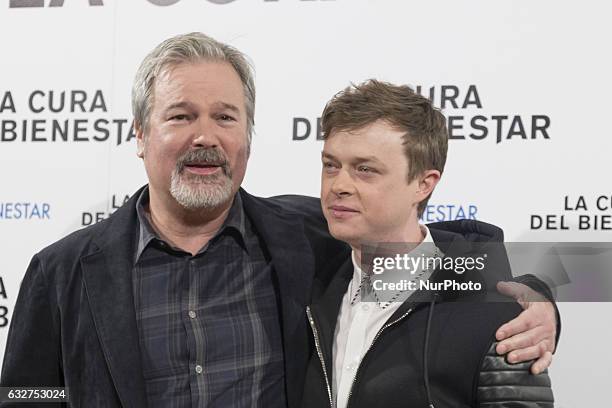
{"points": [[545, 62]]}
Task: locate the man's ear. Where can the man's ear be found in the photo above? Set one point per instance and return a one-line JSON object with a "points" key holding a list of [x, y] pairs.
{"points": [[427, 182], [140, 143]]}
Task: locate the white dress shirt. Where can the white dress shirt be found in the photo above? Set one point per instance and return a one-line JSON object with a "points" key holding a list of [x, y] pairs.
{"points": [[359, 322]]}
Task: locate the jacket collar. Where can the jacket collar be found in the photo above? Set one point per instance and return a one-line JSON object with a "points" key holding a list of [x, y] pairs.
{"points": [[284, 237]]}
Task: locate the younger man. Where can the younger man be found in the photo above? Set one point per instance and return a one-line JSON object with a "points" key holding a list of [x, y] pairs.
{"points": [[385, 150]]}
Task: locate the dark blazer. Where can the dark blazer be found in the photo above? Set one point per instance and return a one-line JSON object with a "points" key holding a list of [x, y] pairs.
{"points": [[74, 322]]}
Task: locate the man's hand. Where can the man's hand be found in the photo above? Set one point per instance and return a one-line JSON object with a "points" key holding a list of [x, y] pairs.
{"points": [[531, 335]]}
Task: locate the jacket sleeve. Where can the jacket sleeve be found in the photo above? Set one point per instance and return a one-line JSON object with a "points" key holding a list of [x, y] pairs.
{"points": [[504, 385], [32, 357], [542, 288]]}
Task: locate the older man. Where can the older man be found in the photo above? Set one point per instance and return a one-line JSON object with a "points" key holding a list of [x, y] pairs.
{"points": [[193, 293]]}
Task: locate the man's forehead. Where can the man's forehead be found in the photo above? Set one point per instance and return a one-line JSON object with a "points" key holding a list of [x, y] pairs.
{"points": [[373, 134], [373, 143], [211, 72], [187, 82], [171, 68]]}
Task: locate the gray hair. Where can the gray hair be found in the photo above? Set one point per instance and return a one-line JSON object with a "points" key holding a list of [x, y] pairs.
{"points": [[189, 48]]}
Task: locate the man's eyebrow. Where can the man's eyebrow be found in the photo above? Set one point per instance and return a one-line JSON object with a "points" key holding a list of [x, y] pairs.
{"points": [[366, 159], [358, 159], [329, 156], [219, 105], [225, 105], [177, 105]]}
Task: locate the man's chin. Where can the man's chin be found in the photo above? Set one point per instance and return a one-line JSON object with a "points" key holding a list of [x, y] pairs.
{"points": [[347, 235], [197, 184], [202, 196]]}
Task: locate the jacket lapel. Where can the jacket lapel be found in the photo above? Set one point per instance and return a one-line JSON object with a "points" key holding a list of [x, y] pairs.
{"points": [[293, 264], [107, 274]]}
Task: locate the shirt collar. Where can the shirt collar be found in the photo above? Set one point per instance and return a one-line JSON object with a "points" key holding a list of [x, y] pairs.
{"points": [[425, 247], [236, 220]]}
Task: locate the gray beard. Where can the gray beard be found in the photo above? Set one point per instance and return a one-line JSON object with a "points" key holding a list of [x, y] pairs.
{"points": [[201, 192], [195, 192]]}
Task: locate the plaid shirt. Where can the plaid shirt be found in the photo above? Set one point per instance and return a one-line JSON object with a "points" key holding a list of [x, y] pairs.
{"points": [[208, 324]]}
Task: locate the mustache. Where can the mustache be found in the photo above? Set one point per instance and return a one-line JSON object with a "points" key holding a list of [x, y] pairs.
{"points": [[208, 156]]}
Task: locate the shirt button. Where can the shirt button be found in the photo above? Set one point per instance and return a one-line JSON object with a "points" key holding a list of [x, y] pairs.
{"points": [[192, 314], [198, 369], [365, 308]]}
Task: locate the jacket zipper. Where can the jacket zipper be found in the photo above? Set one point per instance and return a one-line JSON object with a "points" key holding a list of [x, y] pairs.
{"points": [[320, 354], [402, 317]]}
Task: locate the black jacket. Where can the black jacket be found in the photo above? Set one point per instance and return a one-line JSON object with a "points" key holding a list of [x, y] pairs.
{"points": [[438, 348]]}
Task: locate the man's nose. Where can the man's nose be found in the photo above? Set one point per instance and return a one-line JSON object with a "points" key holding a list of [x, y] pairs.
{"points": [[204, 135], [342, 184]]}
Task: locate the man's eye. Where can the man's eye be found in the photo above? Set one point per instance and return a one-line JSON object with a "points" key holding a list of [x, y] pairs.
{"points": [[179, 117], [365, 169], [328, 165], [225, 117]]}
